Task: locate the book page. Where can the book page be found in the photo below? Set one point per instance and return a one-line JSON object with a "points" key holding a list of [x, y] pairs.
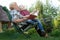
{"points": [[35, 13]]}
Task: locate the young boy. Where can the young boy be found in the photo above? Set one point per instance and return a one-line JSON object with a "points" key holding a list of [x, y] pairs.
{"points": [[25, 12]]}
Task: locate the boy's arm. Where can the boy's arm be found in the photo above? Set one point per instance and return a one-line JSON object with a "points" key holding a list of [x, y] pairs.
{"points": [[26, 16]]}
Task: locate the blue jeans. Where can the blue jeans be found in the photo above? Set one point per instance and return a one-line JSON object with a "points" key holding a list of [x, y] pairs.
{"points": [[39, 23]]}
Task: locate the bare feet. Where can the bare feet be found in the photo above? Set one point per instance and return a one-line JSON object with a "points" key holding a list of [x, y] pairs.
{"points": [[46, 35]]}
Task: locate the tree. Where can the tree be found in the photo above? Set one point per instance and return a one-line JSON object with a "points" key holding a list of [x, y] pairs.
{"points": [[7, 11], [39, 6]]}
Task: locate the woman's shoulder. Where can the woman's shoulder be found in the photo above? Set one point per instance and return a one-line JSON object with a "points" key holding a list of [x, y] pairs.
{"points": [[13, 11]]}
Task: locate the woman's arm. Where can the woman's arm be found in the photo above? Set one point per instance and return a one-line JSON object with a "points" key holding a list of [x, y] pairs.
{"points": [[20, 20]]}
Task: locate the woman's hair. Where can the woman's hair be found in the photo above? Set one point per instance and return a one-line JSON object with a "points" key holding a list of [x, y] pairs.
{"points": [[14, 5]]}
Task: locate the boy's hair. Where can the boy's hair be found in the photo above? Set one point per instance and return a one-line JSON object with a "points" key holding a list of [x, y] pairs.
{"points": [[22, 7]]}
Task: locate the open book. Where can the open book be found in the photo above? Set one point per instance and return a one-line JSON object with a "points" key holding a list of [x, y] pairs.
{"points": [[33, 14]]}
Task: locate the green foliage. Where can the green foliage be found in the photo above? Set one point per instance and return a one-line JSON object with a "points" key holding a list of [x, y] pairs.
{"points": [[47, 13], [31, 31], [7, 11], [56, 33], [31, 9], [39, 6], [13, 35]]}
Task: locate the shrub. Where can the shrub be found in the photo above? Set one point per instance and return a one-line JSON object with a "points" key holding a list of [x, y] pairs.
{"points": [[55, 33]]}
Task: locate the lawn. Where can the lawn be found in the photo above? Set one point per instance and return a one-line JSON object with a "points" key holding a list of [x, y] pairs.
{"points": [[13, 35]]}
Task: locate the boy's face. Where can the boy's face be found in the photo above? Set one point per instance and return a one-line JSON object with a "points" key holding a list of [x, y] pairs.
{"points": [[22, 7]]}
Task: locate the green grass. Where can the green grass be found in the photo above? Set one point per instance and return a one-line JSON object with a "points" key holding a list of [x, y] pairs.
{"points": [[13, 35]]}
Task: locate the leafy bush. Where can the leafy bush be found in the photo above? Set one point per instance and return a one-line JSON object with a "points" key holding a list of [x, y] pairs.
{"points": [[31, 31], [55, 33]]}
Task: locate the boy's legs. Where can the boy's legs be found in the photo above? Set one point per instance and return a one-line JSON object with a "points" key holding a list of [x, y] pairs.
{"points": [[39, 23]]}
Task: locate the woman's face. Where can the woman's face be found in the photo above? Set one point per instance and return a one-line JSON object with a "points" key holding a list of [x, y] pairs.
{"points": [[11, 7]]}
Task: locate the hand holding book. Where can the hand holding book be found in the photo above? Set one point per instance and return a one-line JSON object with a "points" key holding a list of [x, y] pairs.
{"points": [[33, 15]]}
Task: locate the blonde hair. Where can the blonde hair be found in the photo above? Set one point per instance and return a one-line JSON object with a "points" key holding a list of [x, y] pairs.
{"points": [[14, 5]]}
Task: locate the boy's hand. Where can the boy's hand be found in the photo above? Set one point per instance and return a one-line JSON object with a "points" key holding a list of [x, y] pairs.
{"points": [[26, 16]]}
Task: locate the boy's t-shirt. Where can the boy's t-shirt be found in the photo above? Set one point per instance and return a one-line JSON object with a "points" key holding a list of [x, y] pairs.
{"points": [[24, 12]]}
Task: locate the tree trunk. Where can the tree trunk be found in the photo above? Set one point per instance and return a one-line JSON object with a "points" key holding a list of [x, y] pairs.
{"points": [[0, 26]]}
